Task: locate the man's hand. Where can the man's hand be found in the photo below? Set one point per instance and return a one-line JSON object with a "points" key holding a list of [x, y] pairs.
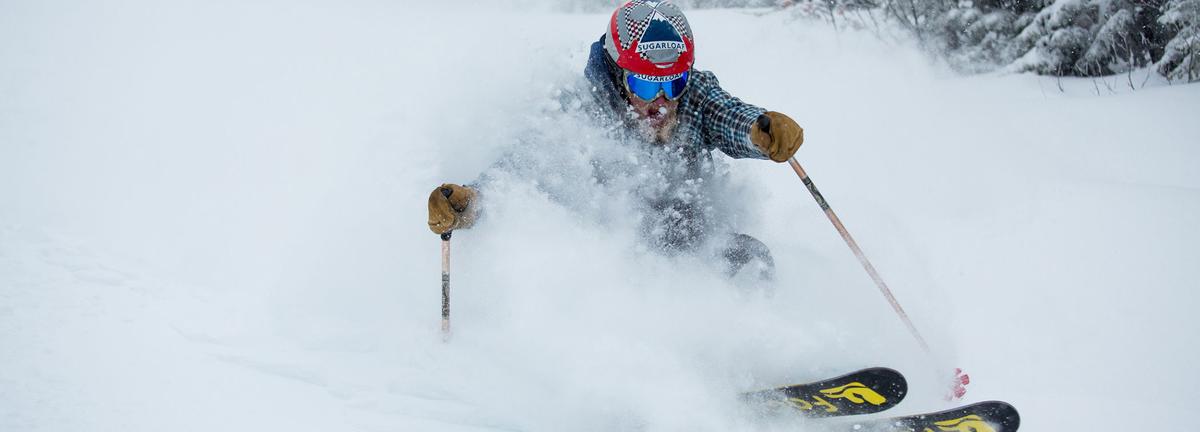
{"points": [[451, 207], [777, 135]]}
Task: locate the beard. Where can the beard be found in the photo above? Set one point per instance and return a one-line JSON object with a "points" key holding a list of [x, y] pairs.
{"points": [[658, 127], [659, 133]]}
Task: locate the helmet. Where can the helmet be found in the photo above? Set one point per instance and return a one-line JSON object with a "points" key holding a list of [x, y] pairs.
{"points": [[650, 38]]}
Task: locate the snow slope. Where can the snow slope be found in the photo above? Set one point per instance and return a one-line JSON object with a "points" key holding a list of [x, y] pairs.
{"points": [[212, 218]]}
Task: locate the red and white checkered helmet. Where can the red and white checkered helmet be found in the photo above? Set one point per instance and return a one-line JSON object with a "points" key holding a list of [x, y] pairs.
{"points": [[650, 38]]}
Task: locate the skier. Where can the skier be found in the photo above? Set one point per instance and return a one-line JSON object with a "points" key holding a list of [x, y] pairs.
{"points": [[641, 76]]}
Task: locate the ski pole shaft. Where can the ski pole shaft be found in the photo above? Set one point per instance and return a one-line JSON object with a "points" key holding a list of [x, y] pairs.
{"points": [[862, 258], [446, 285]]}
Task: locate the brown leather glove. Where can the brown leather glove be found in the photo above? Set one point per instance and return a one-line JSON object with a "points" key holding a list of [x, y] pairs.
{"points": [[777, 135], [452, 207]]}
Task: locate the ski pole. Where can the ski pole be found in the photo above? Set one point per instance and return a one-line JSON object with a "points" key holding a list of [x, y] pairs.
{"points": [[446, 277], [446, 285], [837, 223]]}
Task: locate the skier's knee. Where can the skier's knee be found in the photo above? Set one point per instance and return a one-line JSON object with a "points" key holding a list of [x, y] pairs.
{"points": [[744, 252]]}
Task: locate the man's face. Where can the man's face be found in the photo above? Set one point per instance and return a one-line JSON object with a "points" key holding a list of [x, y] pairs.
{"points": [[656, 119]]}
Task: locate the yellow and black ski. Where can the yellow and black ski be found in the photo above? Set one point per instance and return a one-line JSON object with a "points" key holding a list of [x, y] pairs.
{"points": [[862, 392], [992, 416]]}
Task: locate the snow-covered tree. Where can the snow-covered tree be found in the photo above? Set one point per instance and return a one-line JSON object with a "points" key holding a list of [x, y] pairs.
{"points": [[1116, 46], [1181, 56], [918, 16], [1056, 38], [974, 40]]}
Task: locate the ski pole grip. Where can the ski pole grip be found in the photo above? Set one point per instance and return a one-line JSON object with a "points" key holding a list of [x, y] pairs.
{"points": [[446, 235], [447, 191]]}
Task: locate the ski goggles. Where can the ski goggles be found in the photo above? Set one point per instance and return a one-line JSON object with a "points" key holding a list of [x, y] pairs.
{"points": [[647, 87]]}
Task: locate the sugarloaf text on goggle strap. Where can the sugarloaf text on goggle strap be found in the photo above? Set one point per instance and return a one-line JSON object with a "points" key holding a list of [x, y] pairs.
{"points": [[661, 45], [657, 79]]}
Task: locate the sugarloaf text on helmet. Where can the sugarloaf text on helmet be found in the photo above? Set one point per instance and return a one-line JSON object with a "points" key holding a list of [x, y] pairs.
{"points": [[661, 45]]}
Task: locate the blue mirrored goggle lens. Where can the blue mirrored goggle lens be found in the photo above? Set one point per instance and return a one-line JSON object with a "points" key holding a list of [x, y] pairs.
{"points": [[648, 90]]}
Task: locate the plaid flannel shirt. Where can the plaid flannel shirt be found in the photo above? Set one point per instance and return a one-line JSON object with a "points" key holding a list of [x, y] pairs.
{"points": [[709, 117], [712, 118]]}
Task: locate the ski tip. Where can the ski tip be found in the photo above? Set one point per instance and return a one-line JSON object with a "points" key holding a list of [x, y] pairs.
{"points": [[1006, 415], [892, 377]]}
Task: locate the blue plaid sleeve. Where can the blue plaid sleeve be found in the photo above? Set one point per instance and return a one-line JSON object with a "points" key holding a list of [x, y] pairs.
{"points": [[725, 121]]}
